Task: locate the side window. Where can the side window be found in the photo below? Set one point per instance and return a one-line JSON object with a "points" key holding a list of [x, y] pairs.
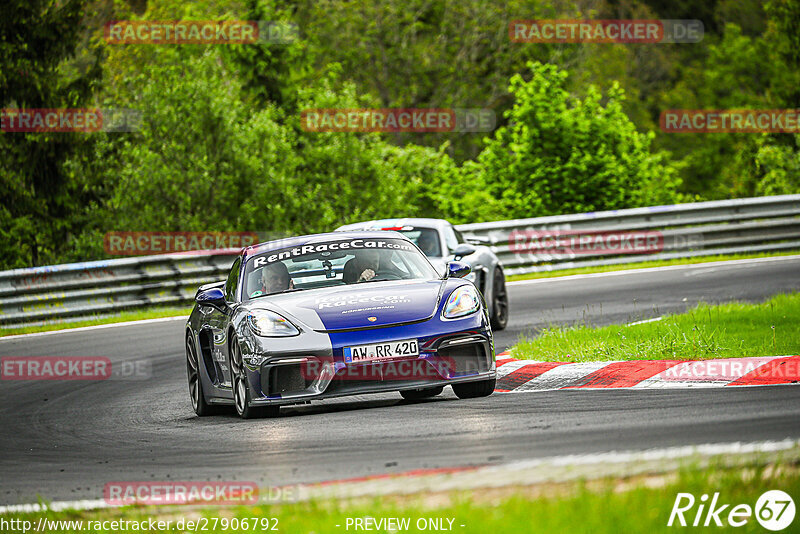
{"points": [[459, 237], [233, 280], [450, 238]]}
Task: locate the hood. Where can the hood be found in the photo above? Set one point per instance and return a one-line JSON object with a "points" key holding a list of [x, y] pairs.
{"points": [[347, 307]]}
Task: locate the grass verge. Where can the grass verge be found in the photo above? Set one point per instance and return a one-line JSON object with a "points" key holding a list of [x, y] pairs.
{"points": [[729, 330], [637, 504], [133, 315], [646, 264]]}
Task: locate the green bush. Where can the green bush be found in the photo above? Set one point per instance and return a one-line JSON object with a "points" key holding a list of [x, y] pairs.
{"points": [[560, 154]]}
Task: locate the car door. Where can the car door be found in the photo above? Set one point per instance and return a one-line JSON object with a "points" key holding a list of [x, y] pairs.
{"points": [[216, 325]]}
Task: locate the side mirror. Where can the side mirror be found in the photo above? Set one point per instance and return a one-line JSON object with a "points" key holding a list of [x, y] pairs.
{"points": [[478, 239], [464, 249], [457, 269], [211, 297]]}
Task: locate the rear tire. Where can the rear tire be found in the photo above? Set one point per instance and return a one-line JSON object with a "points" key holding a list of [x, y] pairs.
{"points": [[473, 390], [241, 390], [499, 317], [418, 394], [196, 394]]}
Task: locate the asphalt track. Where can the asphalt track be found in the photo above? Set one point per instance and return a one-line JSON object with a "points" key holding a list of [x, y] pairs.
{"points": [[66, 440]]}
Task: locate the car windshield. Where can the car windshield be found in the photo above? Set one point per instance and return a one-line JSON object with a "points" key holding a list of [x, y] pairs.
{"points": [[427, 239], [332, 263]]}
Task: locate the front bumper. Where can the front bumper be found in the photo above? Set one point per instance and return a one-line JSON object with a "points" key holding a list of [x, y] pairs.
{"points": [[451, 352]]}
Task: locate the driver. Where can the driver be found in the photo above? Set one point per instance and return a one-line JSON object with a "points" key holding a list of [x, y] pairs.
{"points": [[427, 243], [275, 278], [362, 267]]}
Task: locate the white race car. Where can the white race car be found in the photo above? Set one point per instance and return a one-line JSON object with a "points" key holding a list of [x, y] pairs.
{"points": [[442, 242]]}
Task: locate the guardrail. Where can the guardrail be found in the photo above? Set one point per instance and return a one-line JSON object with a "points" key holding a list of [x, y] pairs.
{"points": [[744, 225], [78, 290]]}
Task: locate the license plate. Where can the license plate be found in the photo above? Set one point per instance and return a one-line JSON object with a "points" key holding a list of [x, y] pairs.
{"points": [[381, 351]]}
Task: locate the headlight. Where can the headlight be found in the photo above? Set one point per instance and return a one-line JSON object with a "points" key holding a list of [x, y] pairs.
{"points": [[463, 301], [269, 324]]}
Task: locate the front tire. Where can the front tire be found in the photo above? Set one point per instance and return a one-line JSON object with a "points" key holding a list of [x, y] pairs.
{"points": [[241, 389], [473, 390], [499, 317], [196, 393], [418, 394]]}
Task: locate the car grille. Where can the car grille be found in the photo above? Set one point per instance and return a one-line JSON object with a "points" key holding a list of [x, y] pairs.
{"points": [[466, 358], [284, 379]]}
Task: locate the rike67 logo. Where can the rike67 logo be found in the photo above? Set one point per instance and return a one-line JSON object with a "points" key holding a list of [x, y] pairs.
{"points": [[774, 510]]}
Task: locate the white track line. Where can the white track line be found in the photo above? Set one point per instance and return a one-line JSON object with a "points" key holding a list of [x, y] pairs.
{"points": [[97, 327], [515, 473], [56, 506], [682, 267], [645, 321], [708, 449]]}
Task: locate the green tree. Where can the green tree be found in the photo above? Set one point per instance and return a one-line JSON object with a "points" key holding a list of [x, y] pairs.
{"points": [[39, 69], [561, 154]]}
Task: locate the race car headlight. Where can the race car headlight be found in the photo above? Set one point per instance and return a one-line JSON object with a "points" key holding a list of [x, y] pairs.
{"points": [[463, 301], [269, 324]]}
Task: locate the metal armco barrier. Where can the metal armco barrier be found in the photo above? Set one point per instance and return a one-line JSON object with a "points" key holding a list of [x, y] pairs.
{"points": [[760, 224], [79, 290]]}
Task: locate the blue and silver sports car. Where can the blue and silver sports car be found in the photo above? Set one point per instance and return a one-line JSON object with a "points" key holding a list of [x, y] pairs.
{"points": [[336, 314]]}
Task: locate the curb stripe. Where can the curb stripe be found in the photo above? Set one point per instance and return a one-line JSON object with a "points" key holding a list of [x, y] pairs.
{"points": [[516, 378], [625, 374], [779, 371], [712, 372], [527, 375], [511, 366], [562, 376]]}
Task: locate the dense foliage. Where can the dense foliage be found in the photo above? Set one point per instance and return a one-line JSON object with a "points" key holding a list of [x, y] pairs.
{"points": [[221, 145]]}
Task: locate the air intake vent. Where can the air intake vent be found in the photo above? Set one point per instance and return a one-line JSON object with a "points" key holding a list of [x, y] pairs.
{"points": [[283, 379], [467, 358]]}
